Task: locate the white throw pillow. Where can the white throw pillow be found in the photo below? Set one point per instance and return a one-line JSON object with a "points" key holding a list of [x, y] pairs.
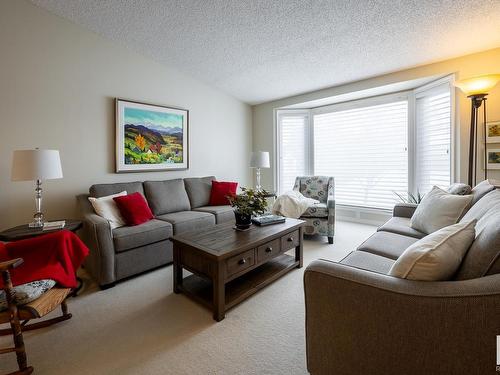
{"points": [[106, 207], [437, 256], [439, 209]]}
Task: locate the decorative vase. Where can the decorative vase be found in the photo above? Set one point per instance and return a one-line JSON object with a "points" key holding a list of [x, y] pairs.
{"points": [[243, 221]]}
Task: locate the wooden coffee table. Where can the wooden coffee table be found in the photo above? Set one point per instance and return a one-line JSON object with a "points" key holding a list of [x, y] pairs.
{"points": [[228, 266]]}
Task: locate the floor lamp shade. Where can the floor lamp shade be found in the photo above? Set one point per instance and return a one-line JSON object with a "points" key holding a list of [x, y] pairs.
{"points": [[478, 85], [33, 165]]}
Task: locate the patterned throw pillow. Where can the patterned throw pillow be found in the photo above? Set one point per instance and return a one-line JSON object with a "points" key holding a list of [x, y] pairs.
{"points": [[28, 292]]}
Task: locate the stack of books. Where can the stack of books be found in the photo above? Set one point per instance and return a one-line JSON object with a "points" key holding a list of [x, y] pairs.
{"points": [[268, 220]]}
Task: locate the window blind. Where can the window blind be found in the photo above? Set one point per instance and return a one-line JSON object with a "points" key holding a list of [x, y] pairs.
{"points": [[365, 149], [433, 138], [293, 129]]}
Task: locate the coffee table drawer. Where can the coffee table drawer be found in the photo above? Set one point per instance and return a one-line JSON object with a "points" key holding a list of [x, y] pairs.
{"points": [[240, 262], [268, 250], [290, 240]]}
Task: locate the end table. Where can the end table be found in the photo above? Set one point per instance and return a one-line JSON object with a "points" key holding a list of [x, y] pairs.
{"points": [[22, 232]]}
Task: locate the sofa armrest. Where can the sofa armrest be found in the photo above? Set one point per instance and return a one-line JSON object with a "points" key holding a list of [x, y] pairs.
{"points": [[404, 209], [97, 235], [359, 321]]}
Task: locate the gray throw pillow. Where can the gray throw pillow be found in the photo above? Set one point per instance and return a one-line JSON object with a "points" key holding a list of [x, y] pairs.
{"points": [[459, 189], [480, 190]]}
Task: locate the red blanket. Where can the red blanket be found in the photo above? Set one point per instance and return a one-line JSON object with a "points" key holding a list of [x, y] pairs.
{"points": [[54, 256]]}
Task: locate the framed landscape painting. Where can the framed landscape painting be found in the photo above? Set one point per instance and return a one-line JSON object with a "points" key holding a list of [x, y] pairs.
{"points": [[494, 158], [493, 132], [150, 137]]}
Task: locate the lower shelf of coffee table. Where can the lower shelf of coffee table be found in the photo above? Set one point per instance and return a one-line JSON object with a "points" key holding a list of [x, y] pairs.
{"points": [[242, 287]]}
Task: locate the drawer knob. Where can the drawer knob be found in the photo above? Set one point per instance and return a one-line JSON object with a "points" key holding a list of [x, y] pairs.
{"points": [[269, 249], [242, 261], [290, 239]]}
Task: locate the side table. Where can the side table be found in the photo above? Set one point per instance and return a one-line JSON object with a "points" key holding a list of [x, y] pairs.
{"points": [[22, 232]]}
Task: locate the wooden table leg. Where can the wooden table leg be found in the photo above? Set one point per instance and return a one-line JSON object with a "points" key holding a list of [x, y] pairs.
{"points": [[219, 294], [298, 249], [177, 270]]}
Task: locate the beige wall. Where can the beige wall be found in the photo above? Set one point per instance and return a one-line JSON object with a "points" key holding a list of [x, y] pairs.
{"points": [[466, 66], [58, 84]]}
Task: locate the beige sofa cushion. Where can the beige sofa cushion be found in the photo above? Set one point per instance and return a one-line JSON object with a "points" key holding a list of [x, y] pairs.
{"points": [[483, 257], [367, 261], [387, 244], [437, 256], [400, 225], [484, 205], [439, 209]]}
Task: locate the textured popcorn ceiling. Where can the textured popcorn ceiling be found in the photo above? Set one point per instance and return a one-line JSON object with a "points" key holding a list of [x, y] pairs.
{"points": [[260, 50]]}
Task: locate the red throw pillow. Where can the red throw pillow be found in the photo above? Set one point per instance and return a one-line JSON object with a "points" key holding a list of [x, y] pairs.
{"points": [[220, 191], [134, 208]]}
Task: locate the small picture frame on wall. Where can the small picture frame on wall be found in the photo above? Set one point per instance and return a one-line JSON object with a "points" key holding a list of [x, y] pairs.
{"points": [[493, 132], [150, 137], [493, 158]]}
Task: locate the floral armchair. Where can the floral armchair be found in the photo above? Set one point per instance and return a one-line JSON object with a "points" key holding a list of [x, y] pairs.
{"points": [[319, 217]]}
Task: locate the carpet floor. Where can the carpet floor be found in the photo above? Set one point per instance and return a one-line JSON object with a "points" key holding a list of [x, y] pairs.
{"points": [[141, 327]]}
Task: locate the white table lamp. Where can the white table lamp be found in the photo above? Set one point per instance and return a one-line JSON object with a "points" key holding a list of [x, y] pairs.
{"points": [[258, 160], [36, 165]]}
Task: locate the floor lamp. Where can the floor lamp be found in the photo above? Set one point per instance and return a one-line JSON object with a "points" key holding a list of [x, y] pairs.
{"points": [[477, 89]]}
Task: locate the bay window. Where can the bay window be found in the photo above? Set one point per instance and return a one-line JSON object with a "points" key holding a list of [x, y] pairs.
{"points": [[374, 148]]}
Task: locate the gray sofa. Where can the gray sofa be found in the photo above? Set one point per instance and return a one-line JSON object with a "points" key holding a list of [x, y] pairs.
{"points": [[178, 205], [360, 320]]}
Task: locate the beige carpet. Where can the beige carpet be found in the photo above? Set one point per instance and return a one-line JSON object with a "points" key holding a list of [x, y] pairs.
{"points": [[141, 327]]}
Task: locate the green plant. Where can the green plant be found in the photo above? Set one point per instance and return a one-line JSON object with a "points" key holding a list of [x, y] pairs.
{"points": [[249, 202], [411, 198]]}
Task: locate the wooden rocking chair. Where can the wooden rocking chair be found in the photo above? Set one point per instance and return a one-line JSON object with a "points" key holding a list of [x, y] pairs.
{"points": [[19, 316]]}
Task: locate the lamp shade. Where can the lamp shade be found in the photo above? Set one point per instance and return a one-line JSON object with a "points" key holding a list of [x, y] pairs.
{"points": [[478, 85], [30, 165], [260, 159]]}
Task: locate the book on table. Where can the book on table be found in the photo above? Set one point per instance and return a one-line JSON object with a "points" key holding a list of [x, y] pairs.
{"points": [[51, 225], [268, 219]]}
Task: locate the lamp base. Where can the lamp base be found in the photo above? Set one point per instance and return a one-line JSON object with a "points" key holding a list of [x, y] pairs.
{"points": [[37, 221], [34, 224]]}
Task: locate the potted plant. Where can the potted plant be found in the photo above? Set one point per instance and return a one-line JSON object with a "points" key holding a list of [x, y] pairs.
{"points": [[249, 202]]}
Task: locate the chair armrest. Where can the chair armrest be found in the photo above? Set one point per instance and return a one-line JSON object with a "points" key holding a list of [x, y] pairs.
{"points": [[330, 201], [404, 210], [97, 235], [9, 264], [357, 320]]}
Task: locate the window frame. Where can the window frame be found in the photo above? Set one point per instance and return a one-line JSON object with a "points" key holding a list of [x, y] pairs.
{"points": [[409, 95], [277, 142]]}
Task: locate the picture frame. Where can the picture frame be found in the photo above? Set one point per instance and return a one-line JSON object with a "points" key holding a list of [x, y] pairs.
{"points": [[493, 157], [150, 137], [493, 132]]}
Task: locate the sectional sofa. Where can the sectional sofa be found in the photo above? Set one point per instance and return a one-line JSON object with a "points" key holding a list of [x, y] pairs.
{"points": [[179, 205], [360, 320]]}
